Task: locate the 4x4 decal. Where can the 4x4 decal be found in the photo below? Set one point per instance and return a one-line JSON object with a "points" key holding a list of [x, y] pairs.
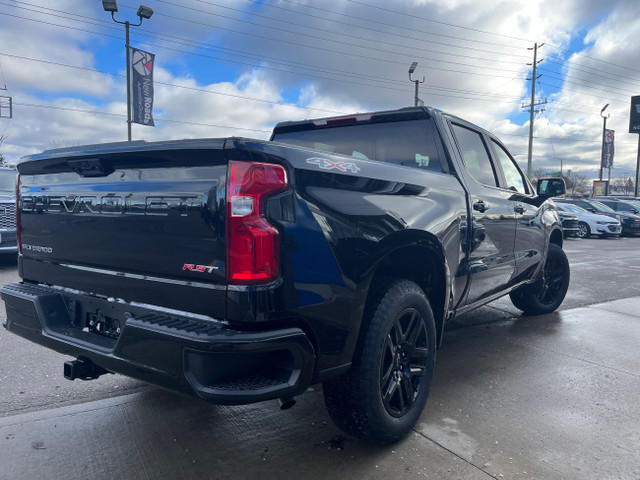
{"points": [[326, 164]]}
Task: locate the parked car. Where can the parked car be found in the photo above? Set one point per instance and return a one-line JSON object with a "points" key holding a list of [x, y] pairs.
{"points": [[8, 242], [569, 223], [624, 206], [591, 223], [630, 223]]}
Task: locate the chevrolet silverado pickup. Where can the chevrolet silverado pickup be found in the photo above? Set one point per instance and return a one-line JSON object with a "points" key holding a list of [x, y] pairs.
{"points": [[243, 270]]}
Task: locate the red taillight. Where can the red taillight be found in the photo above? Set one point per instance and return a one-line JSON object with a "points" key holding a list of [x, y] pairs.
{"points": [[18, 236], [253, 245]]}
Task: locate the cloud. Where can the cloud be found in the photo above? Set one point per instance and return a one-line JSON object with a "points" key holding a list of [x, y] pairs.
{"points": [[239, 70]]}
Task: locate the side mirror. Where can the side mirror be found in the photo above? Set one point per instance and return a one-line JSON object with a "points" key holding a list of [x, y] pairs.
{"points": [[551, 187]]}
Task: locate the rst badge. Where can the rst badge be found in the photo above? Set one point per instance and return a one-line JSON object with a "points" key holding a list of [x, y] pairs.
{"points": [[326, 164], [199, 268]]}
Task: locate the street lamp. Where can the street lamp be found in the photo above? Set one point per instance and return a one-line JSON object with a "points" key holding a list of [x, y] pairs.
{"points": [[143, 13], [604, 131], [412, 69]]}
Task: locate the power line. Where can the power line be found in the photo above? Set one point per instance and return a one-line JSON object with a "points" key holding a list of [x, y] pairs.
{"points": [[566, 77], [463, 94], [243, 97], [441, 23], [122, 115], [244, 33], [330, 31], [111, 114], [288, 71], [609, 76], [403, 27], [315, 47], [602, 61], [561, 139]]}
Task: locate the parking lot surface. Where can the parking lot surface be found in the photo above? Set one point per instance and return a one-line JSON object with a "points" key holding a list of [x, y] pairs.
{"points": [[548, 397]]}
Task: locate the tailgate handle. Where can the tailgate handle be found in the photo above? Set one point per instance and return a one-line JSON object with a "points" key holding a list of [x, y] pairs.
{"points": [[91, 167]]}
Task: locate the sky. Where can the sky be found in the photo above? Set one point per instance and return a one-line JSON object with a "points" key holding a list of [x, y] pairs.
{"points": [[237, 67]]}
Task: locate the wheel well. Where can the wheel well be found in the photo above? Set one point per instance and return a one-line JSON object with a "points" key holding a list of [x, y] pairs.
{"points": [[424, 267], [556, 237]]}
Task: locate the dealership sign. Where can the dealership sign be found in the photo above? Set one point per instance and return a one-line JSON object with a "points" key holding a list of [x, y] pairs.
{"points": [[608, 150], [634, 116], [142, 63]]}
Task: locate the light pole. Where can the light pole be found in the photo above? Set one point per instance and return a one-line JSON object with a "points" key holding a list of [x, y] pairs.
{"points": [[412, 69], [143, 12], [604, 131]]}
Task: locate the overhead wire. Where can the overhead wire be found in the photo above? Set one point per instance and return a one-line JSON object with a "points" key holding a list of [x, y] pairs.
{"points": [[403, 27], [464, 94], [122, 115], [186, 40], [607, 76], [573, 81], [350, 44], [440, 22], [319, 29], [160, 35]]}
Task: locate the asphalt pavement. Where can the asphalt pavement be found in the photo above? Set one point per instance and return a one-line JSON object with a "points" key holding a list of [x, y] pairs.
{"points": [[547, 397]]}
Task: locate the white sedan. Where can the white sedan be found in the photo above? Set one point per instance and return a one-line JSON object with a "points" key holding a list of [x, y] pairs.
{"points": [[592, 223]]}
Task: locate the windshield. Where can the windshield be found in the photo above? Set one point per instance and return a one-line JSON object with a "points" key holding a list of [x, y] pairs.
{"points": [[601, 207], [572, 208], [8, 181]]}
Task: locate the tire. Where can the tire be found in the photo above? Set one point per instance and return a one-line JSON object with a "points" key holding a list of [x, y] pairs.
{"points": [[547, 294], [381, 397], [583, 230]]}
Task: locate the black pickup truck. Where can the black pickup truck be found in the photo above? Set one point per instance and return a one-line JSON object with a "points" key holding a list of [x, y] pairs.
{"points": [[243, 270]]}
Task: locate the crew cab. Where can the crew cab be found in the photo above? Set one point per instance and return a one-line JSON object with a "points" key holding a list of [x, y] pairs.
{"points": [[242, 270]]}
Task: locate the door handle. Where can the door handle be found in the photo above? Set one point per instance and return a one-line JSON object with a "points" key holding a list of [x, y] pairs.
{"points": [[520, 209], [480, 206]]}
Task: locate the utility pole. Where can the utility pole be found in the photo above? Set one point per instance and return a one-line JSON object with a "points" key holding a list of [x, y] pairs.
{"points": [[417, 82], [604, 133], [6, 102], [533, 103]]}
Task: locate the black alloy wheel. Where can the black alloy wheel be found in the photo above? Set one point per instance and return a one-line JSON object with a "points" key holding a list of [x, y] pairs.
{"points": [[553, 277], [404, 362], [382, 396], [547, 294]]}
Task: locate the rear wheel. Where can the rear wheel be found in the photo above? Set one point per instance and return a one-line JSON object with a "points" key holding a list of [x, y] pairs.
{"points": [[547, 294], [382, 396], [583, 230]]}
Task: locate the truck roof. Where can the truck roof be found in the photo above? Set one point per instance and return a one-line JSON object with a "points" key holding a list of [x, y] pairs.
{"points": [[407, 113]]}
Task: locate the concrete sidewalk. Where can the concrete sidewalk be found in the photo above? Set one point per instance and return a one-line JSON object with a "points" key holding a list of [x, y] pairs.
{"points": [[550, 397]]}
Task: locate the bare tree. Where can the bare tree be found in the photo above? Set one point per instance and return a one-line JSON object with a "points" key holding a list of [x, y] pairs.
{"points": [[536, 174], [630, 186], [624, 185], [576, 182]]}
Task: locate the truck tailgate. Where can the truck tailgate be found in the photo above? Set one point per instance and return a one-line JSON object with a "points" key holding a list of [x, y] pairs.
{"points": [[129, 218]]}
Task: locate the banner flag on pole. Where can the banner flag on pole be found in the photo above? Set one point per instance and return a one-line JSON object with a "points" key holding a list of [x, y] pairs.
{"points": [[142, 69], [607, 161]]}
